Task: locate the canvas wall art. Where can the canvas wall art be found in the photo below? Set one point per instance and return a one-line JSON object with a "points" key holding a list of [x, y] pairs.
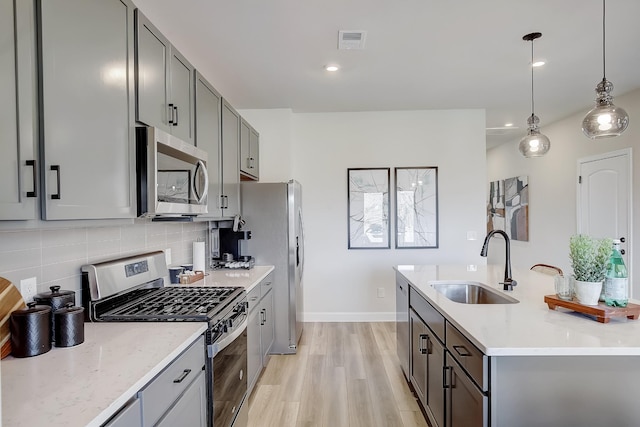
{"points": [[508, 207]]}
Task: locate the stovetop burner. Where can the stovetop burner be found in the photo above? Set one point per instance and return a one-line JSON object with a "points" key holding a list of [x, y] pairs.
{"points": [[176, 303]]}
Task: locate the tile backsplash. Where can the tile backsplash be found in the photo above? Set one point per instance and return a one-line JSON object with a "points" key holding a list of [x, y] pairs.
{"points": [[55, 256]]}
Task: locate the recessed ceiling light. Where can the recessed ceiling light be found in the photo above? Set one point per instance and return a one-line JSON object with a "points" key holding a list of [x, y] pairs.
{"points": [[332, 68], [538, 64], [508, 125]]}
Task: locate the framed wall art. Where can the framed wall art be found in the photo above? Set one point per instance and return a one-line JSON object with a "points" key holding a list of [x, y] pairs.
{"points": [[416, 207], [368, 208]]}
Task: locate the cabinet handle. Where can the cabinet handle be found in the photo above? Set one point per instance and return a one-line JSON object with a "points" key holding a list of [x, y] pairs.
{"points": [[171, 110], [182, 376], [423, 350], [56, 169], [263, 317], [251, 160], [253, 298], [175, 120], [445, 369], [33, 193], [464, 352]]}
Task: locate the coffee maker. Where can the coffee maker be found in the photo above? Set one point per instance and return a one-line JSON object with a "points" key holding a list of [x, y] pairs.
{"points": [[227, 248]]}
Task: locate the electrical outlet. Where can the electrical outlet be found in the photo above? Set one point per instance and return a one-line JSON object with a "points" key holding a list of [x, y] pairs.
{"points": [[28, 289], [167, 256], [380, 292]]}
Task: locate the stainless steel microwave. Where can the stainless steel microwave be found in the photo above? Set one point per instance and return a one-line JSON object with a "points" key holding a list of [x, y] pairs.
{"points": [[171, 175]]}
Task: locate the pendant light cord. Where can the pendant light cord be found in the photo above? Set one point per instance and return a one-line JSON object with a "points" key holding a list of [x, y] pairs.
{"points": [[532, 109], [604, 67]]}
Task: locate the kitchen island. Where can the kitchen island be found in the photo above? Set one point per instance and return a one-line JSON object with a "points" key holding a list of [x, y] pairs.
{"points": [[541, 367]]}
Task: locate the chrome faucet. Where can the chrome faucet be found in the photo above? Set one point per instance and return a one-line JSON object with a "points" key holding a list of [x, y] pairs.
{"points": [[508, 283]]}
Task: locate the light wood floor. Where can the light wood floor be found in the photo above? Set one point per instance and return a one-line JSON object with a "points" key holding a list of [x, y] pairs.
{"points": [[344, 375]]}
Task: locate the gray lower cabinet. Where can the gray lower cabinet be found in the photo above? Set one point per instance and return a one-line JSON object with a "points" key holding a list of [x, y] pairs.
{"points": [[230, 182], [260, 330], [402, 324], [249, 152], [179, 389], [129, 416], [18, 162], [165, 83], [465, 401], [86, 114]]}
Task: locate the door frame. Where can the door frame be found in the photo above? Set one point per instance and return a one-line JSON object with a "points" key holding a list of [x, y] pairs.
{"points": [[602, 156]]}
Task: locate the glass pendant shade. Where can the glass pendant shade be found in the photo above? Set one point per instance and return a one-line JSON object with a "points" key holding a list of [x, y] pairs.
{"points": [[605, 120], [534, 144]]}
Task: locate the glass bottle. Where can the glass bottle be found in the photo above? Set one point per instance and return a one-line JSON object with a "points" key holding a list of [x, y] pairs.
{"points": [[616, 282]]}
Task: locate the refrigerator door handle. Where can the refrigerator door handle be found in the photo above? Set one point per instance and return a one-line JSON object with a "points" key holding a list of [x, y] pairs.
{"points": [[300, 245]]}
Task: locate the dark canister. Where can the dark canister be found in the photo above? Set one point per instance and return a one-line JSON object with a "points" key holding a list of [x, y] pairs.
{"points": [[69, 326], [56, 299], [30, 330]]}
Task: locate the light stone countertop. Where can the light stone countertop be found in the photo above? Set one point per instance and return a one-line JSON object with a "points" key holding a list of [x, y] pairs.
{"points": [[528, 328], [236, 277], [85, 385]]}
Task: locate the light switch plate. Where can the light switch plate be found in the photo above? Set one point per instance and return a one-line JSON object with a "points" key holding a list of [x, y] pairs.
{"points": [[380, 292], [28, 288]]}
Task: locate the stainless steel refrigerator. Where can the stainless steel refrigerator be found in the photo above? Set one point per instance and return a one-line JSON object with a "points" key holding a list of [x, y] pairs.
{"points": [[273, 213]]}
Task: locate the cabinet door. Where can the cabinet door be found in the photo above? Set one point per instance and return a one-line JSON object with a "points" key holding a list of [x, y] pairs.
{"points": [[87, 112], [18, 167], [245, 146], [268, 326], [190, 410], [435, 380], [181, 97], [153, 51], [254, 153], [419, 339], [466, 403], [207, 124], [402, 325], [254, 360], [129, 416], [230, 163]]}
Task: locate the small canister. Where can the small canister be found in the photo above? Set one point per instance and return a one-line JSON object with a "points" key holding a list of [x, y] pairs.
{"points": [[57, 299], [30, 330], [69, 326]]}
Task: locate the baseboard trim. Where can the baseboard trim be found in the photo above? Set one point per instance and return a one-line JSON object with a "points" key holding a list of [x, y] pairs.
{"points": [[384, 316]]}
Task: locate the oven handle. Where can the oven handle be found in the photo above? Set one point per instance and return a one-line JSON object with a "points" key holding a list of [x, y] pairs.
{"points": [[217, 347]]}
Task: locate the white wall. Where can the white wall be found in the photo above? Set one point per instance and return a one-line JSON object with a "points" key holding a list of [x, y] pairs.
{"points": [[341, 284], [552, 186]]}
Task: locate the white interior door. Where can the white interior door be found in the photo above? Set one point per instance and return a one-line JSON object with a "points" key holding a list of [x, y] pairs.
{"points": [[604, 199]]}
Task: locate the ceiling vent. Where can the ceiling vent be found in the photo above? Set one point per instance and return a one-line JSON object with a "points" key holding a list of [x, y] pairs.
{"points": [[351, 39]]}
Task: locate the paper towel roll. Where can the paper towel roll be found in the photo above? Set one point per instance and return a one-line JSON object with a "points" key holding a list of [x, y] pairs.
{"points": [[198, 256]]}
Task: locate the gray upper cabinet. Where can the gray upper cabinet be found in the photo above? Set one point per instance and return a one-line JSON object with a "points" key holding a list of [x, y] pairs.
{"points": [[230, 194], [87, 108], [18, 163], [165, 86], [249, 154], [208, 138]]}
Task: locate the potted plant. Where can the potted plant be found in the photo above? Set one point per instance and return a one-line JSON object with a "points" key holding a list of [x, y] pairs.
{"points": [[589, 259]]}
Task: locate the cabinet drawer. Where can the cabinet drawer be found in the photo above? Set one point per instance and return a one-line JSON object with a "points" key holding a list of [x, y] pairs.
{"points": [[472, 360], [431, 316], [266, 284], [253, 297], [160, 393]]}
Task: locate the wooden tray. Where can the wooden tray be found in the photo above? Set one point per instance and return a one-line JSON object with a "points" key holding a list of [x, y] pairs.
{"points": [[188, 279], [602, 312], [10, 300]]}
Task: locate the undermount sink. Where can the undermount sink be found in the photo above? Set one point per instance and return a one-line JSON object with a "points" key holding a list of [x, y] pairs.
{"points": [[472, 293]]}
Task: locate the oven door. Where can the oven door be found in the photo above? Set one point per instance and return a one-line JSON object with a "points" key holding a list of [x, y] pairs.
{"points": [[229, 366]]}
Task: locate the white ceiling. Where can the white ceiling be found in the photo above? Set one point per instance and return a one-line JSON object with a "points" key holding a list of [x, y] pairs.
{"points": [[419, 54]]}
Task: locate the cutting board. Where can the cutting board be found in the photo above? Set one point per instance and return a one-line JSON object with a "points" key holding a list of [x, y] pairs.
{"points": [[10, 300]]}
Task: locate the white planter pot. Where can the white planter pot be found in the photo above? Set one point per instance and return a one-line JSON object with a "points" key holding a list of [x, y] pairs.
{"points": [[587, 293]]}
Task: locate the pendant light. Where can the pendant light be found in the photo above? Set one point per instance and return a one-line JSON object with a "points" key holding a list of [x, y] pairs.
{"points": [[534, 144], [605, 120]]}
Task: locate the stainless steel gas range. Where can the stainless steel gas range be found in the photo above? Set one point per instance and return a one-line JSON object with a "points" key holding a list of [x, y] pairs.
{"points": [[132, 290]]}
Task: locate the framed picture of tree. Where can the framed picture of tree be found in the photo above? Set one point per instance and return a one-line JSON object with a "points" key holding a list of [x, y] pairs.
{"points": [[368, 208], [416, 207]]}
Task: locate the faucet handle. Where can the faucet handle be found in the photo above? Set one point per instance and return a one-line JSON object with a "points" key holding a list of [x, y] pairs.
{"points": [[508, 284]]}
